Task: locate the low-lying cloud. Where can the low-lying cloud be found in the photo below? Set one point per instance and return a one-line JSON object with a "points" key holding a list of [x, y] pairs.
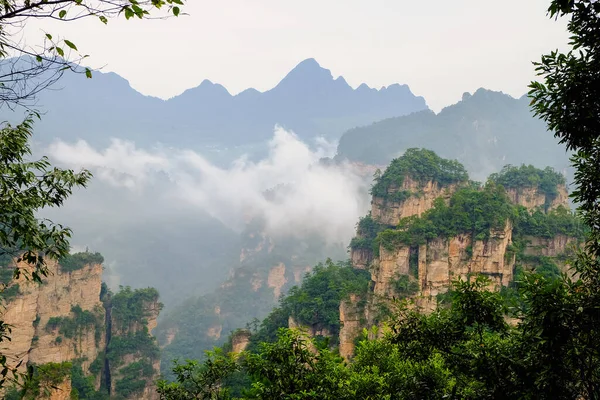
{"points": [[290, 188]]}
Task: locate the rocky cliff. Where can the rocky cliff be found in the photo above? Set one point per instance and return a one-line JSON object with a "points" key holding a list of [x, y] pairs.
{"points": [[419, 242], [67, 320], [39, 315], [532, 197], [418, 198], [268, 268]]}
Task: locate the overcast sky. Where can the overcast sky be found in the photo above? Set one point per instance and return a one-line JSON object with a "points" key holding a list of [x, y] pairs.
{"points": [[440, 48]]}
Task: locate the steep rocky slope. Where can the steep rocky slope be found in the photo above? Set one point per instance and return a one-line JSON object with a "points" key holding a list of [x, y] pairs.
{"points": [[417, 238], [268, 268], [72, 324], [37, 314]]}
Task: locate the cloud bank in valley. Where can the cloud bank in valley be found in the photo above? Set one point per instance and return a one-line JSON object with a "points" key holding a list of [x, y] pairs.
{"points": [[290, 189]]}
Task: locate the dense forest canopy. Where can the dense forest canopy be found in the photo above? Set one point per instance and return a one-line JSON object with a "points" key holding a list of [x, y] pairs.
{"points": [[422, 166], [316, 302]]}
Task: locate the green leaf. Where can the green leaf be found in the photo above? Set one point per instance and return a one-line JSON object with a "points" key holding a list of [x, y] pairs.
{"points": [[62, 14], [38, 58], [175, 11], [49, 36], [88, 73], [60, 51], [128, 13], [70, 44], [103, 19]]}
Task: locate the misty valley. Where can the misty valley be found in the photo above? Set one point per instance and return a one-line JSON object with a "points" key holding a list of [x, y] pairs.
{"points": [[315, 240]]}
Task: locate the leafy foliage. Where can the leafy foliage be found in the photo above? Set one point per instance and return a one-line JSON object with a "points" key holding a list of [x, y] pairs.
{"points": [[43, 379], [131, 306], [74, 262], [140, 344], [469, 211], [200, 381], [366, 232], [133, 378], [545, 181], [464, 351], [559, 221], [25, 188], [131, 337], [81, 321], [527, 176], [422, 166], [404, 286], [316, 302], [83, 387]]}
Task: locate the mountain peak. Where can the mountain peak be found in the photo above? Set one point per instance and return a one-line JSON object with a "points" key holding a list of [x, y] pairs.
{"points": [[308, 64], [307, 72]]}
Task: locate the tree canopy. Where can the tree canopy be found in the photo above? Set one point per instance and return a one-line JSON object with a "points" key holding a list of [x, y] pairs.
{"points": [[421, 165]]}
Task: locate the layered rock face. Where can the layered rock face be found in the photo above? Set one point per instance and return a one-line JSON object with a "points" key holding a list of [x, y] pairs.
{"points": [[61, 391], [33, 340], [240, 340], [548, 247], [361, 258], [443, 260], [311, 331], [64, 320], [421, 199], [532, 197], [352, 322], [425, 271]]}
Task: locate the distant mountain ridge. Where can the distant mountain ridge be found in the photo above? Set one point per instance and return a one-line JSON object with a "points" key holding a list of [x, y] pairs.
{"points": [[308, 100], [485, 131]]}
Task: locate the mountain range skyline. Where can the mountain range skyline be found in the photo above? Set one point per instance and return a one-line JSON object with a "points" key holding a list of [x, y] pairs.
{"points": [[255, 45], [308, 101]]}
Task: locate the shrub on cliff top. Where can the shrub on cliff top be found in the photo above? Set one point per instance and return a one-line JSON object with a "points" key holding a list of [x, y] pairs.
{"points": [[130, 306], [77, 261], [527, 176], [470, 211], [422, 166], [316, 302]]}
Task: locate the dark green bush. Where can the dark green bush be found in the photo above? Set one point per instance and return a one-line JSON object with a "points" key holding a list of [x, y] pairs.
{"points": [[422, 166], [77, 261]]}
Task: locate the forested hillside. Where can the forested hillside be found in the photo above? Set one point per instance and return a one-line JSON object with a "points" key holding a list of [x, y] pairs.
{"points": [[484, 131], [433, 299], [268, 267]]}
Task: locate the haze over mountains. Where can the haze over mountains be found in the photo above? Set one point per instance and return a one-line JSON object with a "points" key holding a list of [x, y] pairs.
{"points": [[484, 131], [308, 101], [149, 204]]}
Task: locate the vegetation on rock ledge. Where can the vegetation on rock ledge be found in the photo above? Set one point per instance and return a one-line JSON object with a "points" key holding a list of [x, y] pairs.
{"points": [[77, 261], [316, 302], [421, 165]]}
